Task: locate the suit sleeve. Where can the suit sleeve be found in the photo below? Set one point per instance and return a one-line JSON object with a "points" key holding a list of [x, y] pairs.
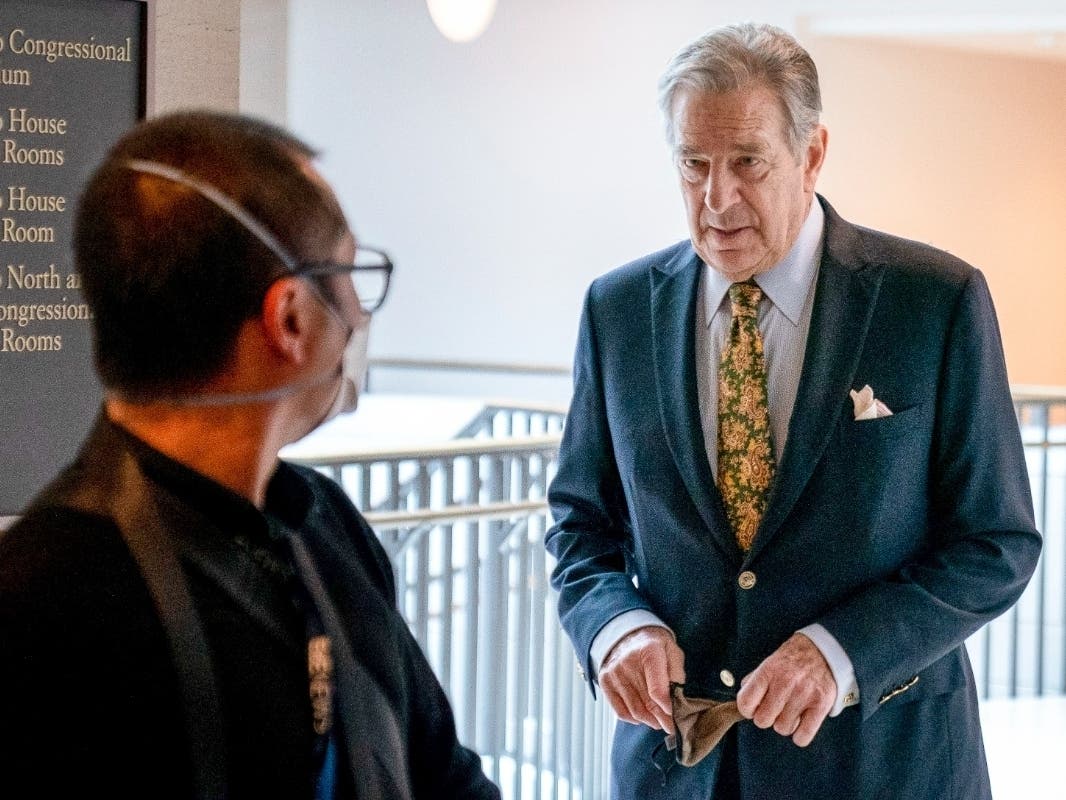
{"points": [[590, 537], [372, 556], [981, 544]]}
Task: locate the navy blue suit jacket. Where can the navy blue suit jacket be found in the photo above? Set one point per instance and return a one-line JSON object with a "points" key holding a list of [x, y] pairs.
{"points": [[901, 535]]}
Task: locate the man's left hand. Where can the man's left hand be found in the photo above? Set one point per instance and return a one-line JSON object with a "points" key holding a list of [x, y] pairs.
{"points": [[793, 691]]}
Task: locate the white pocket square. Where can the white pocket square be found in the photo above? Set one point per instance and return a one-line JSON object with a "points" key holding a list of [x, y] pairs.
{"points": [[867, 406]]}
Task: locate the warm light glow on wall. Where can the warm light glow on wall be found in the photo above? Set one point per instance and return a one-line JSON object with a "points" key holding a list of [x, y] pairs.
{"points": [[461, 20]]}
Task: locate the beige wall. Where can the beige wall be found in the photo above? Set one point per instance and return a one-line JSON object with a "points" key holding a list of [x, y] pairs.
{"points": [[963, 151], [196, 55], [264, 59]]}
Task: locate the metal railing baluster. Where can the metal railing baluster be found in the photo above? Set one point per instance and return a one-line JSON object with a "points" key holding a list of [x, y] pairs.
{"points": [[541, 661], [448, 572], [421, 574], [473, 628], [1042, 565], [1062, 618], [522, 642], [555, 749], [363, 498]]}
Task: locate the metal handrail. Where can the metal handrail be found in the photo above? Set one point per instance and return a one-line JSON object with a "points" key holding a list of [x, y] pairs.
{"points": [[452, 514], [458, 365], [454, 448], [484, 421], [1023, 392]]}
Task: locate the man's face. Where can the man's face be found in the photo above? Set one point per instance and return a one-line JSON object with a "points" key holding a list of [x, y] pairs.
{"points": [[328, 385], [345, 310], [746, 194], [347, 304], [342, 302]]}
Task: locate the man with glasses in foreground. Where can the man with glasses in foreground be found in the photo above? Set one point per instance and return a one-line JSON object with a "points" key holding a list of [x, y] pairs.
{"points": [[181, 614]]}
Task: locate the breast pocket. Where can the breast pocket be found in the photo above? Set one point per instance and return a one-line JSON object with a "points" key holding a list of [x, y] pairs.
{"points": [[870, 432], [883, 461]]}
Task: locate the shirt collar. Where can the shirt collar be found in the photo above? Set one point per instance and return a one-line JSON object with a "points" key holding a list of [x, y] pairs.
{"points": [[787, 284], [288, 498]]}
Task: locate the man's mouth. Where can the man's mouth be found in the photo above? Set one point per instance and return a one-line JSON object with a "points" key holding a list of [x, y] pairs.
{"points": [[727, 235]]}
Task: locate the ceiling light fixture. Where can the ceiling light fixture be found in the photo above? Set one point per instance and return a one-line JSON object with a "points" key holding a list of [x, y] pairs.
{"points": [[461, 20]]}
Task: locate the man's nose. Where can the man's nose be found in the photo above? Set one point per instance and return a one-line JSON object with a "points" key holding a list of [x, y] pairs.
{"points": [[720, 193]]}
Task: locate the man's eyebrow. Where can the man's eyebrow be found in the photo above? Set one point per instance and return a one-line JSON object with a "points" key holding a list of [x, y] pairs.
{"points": [[753, 146], [748, 147]]}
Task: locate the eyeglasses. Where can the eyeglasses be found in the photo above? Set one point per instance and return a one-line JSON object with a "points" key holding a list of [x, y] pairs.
{"points": [[370, 275]]}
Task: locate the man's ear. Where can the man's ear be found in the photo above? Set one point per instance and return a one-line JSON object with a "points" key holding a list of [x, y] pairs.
{"points": [[814, 157], [286, 319]]}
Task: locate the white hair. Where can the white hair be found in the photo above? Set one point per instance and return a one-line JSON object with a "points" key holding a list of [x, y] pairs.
{"points": [[743, 55]]}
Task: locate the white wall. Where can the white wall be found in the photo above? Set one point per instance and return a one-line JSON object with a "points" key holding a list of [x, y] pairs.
{"points": [[505, 174], [264, 31]]}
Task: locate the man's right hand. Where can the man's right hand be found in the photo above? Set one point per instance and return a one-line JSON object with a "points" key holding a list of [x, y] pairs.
{"points": [[636, 675]]}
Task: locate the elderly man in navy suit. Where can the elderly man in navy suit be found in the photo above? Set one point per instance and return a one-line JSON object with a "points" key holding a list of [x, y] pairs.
{"points": [[791, 477]]}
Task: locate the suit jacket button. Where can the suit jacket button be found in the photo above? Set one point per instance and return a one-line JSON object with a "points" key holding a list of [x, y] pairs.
{"points": [[746, 579], [727, 678]]}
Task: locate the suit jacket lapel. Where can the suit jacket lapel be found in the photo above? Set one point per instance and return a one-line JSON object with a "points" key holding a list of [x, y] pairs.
{"points": [[845, 296], [674, 289]]}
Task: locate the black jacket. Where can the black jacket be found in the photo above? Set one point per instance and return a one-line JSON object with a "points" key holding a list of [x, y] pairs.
{"points": [[93, 697]]}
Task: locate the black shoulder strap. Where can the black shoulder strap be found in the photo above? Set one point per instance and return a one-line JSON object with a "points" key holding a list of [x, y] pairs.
{"points": [[374, 739], [136, 511]]}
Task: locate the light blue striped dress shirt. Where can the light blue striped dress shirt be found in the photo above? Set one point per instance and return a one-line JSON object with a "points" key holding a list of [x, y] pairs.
{"points": [[784, 321]]}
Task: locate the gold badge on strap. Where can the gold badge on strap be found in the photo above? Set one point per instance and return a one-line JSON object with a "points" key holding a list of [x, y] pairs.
{"points": [[320, 671]]}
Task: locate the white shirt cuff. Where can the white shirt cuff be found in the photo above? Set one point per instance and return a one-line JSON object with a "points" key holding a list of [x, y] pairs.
{"points": [[839, 664], [615, 630]]}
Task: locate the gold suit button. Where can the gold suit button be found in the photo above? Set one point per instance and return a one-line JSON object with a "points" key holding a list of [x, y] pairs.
{"points": [[727, 678], [746, 579]]}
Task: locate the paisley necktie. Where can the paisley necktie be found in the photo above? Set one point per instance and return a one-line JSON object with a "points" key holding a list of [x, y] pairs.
{"points": [[745, 452]]}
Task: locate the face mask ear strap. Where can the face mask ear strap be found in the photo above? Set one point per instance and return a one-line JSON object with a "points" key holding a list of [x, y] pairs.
{"points": [[223, 201], [353, 363], [227, 204]]}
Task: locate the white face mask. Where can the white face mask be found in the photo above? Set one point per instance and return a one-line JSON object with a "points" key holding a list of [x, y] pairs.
{"points": [[353, 372], [352, 368]]}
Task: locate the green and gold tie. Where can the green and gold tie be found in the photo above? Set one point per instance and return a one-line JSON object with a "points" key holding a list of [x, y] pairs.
{"points": [[745, 452]]}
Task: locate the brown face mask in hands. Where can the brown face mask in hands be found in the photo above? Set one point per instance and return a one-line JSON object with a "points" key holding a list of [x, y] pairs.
{"points": [[699, 724]]}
